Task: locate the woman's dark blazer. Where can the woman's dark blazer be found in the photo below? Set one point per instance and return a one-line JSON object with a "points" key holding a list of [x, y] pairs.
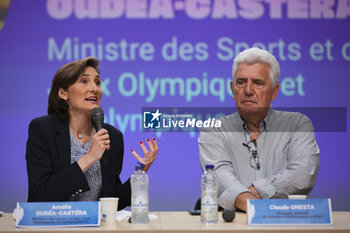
{"points": [[52, 177]]}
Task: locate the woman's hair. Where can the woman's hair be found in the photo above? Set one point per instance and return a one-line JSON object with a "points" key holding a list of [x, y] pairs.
{"points": [[66, 76], [256, 55]]}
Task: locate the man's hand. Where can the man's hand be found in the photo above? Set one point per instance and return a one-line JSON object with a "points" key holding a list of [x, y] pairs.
{"points": [[241, 200], [255, 192]]}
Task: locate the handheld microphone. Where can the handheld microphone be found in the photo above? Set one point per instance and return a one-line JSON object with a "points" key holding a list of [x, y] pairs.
{"points": [[228, 215], [98, 118]]}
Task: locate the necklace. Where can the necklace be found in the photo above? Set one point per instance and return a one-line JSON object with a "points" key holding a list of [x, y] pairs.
{"points": [[80, 135]]}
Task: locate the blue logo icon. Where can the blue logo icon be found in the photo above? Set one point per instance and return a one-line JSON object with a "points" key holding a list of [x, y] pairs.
{"points": [[151, 120]]}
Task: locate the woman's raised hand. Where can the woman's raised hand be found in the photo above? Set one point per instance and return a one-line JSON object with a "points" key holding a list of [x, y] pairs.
{"points": [[149, 155]]}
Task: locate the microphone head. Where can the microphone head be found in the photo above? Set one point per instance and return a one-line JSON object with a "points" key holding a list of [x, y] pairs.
{"points": [[228, 215], [98, 118]]}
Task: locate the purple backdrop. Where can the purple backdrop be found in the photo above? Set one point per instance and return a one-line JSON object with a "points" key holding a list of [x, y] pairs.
{"points": [[144, 44]]}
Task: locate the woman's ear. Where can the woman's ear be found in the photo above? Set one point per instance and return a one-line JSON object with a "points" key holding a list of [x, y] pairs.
{"points": [[63, 94]]}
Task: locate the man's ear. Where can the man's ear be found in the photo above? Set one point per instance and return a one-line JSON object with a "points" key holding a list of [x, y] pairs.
{"points": [[232, 89], [62, 94], [275, 91]]}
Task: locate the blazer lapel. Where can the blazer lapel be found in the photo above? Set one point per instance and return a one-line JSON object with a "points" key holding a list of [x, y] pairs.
{"points": [[63, 142]]}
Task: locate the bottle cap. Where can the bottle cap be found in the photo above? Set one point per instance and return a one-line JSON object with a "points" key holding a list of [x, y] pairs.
{"points": [[139, 166], [209, 166]]}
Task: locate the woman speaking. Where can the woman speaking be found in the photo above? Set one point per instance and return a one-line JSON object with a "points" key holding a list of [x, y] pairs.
{"points": [[67, 160]]}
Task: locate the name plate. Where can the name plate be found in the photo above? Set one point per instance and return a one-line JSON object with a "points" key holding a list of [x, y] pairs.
{"points": [[288, 211], [57, 214]]}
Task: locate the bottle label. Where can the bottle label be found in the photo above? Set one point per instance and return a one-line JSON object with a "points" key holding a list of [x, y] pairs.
{"points": [[140, 203], [208, 203]]}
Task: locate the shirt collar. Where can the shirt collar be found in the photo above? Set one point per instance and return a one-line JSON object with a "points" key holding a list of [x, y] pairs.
{"points": [[264, 124]]}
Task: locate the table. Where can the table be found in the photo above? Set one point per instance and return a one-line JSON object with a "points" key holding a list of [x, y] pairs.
{"points": [[182, 222]]}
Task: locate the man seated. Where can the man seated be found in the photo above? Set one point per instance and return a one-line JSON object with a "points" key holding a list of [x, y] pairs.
{"points": [[259, 152]]}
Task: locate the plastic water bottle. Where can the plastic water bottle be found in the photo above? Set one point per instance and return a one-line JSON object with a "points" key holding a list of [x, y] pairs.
{"points": [[139, 196], [209, 198]]}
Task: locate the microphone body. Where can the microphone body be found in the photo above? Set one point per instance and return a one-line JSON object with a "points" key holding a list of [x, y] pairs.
{"points": [[228, 215], [98, 118]]}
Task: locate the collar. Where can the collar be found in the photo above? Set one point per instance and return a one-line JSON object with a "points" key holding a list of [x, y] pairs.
{"points": [[265, 124]]}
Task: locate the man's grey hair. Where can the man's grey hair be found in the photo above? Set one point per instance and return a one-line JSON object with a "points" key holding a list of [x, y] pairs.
{"points": [[256, 55]]}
